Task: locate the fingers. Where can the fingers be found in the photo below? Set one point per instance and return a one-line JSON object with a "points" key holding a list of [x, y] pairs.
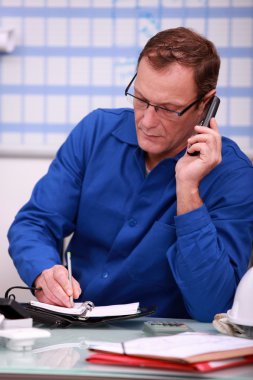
{"points": [[212, 129], [76, 289], [52, 290], [207, 142], [213, 125], [56, 287]]}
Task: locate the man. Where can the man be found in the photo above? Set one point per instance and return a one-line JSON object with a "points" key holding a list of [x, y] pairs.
{"points": [[151, 222]]}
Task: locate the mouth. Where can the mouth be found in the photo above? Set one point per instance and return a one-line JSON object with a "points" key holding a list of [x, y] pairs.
{"points": [[149, 134]]}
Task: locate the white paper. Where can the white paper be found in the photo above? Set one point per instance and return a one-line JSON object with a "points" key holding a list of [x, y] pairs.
{"points": [[114, 310], [98, 311], [178, 346]]}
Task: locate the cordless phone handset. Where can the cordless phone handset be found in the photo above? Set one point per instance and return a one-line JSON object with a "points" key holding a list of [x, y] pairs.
{"points": [[211, 112]]}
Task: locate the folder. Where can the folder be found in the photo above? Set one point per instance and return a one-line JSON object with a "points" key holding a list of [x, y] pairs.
{"points": [[188, 351], [133, 361]]}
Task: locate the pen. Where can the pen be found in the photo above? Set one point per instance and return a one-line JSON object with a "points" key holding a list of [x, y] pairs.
{"points": [[70, 274]]}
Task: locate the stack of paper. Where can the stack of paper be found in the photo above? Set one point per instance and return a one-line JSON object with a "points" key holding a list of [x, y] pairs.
{"points": [[188, 351]]}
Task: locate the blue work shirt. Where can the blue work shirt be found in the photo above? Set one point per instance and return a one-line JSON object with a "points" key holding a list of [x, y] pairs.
{"points": [[128, 244]]}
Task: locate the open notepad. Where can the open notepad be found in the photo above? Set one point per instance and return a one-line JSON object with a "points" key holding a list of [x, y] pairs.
{"points": [[80, 309], [84, 314]]}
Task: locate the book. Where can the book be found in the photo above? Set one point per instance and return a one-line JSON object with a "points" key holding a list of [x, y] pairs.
{"points": [[187, 348], [87, 309], [134, 361], [84, 314]]}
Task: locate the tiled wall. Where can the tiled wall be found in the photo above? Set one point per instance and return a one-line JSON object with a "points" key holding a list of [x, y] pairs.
{"points": [[77, 55]]}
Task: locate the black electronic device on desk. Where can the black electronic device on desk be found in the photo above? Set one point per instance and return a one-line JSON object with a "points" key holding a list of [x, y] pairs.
{"points": [[12, 309]]}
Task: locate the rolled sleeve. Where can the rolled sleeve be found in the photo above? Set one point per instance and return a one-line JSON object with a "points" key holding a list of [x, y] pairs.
{"points": [[192, 221]]}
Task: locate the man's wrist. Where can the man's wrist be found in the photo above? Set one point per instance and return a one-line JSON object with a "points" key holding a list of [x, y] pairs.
{"points": [[188, 199]]}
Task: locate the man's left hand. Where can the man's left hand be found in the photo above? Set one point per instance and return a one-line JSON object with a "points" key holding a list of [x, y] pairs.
{"points": [[190, 170], [207, 143]]}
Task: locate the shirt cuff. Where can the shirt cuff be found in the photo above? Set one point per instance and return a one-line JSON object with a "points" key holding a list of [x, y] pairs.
{"points": [[192, 221]]}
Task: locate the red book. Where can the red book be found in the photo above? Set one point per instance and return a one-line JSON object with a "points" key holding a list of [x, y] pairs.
{"points": [[134, 361]]}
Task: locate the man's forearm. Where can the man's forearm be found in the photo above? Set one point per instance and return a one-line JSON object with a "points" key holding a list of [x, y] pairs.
{"points": [[188, 198]]}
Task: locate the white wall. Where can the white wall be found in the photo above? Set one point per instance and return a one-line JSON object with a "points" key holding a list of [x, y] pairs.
{"points": [[18, 176]]}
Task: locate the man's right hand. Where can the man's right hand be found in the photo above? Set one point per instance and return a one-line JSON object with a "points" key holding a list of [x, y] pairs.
{"points": [[56, 287]]}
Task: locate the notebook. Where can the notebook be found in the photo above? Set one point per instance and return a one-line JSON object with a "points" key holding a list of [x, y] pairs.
{"points": [[84, 314], [85, 310], [188, 347], [81, 314]]}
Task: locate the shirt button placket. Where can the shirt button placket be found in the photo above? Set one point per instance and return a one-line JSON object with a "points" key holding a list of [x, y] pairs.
{"points": [[132, 222], [105, 275]]}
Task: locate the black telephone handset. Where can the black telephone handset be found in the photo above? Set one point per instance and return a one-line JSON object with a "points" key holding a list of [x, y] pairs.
{"points": [[211, 112]]}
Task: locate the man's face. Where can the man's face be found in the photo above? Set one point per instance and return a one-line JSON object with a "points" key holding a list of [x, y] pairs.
{"points": [[164, 134]]}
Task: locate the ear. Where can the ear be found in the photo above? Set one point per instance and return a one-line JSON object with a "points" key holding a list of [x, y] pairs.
{"points": [[207, 98]]}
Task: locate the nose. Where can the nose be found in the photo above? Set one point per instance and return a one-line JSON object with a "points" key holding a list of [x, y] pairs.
{"points": [[150, 116]]}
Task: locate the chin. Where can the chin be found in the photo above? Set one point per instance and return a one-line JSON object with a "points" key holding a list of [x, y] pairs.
{"points": [[150, 148], [146, 144]]}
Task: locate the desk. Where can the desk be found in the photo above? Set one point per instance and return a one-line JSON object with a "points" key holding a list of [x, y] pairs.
{"points": [[62, 356]]}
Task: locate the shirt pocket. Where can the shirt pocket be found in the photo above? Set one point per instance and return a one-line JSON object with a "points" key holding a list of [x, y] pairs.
{"points": [[148, 262]]}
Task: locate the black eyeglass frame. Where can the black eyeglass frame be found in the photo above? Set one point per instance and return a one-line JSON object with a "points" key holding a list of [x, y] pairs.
{"points": [[178, 113]]}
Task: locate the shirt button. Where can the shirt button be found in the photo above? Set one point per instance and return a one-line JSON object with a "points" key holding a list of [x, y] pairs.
{"points": [[132, 222], [105, 274]]}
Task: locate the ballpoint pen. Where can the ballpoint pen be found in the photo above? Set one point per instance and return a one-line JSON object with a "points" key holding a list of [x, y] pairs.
{"points": [[70, 274]]}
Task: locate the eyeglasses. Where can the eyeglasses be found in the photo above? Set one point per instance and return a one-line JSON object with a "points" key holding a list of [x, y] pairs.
{"points": [[163, 111]]}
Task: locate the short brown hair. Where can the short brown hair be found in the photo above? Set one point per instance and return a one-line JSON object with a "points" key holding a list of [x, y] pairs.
{"points": [[188, 48]]}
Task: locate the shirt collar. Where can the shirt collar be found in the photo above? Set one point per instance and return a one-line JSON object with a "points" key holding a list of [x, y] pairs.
{"points": [[126, 131]]}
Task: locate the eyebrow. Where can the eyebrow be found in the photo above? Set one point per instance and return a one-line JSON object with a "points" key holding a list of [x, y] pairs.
{"points": [[160, 104]]}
